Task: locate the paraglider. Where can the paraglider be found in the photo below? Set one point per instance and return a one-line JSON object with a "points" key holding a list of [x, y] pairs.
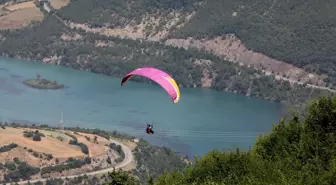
{"points": [[149, 129], [160, 77]]}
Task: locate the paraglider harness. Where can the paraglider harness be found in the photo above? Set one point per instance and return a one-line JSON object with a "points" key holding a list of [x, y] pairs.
{"points": [[149, 129]]}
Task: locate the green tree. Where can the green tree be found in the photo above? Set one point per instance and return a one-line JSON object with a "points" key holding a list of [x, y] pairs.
{"points": [[36, 137], [121, 178], [150, 181]]}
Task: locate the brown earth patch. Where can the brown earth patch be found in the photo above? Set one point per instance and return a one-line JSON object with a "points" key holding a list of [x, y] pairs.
{"points": [[208, 75], [94, 148], [20, 15], [21, 154], [47, 145], [19, 6], [57, 4]]}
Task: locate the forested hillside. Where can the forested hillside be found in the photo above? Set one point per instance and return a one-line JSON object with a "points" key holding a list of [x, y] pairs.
{"points": [[296, 151], [53, 42], [114, 13], [300, 32], [113, 37]]}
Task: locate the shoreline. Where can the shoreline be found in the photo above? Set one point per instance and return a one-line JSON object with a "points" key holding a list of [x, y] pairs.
{"points": [[24, 59]]}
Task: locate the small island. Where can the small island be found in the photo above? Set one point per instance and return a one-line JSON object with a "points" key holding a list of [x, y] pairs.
{"points": [[42, 83]]}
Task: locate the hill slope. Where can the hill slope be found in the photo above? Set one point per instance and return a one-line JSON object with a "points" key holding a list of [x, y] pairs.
{"points": [[55, 43], [113, 37], [299, 32], [141, 19], [284, 156]]}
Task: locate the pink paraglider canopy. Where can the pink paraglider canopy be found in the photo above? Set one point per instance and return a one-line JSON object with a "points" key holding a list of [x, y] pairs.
{"points": [[160, 77]]}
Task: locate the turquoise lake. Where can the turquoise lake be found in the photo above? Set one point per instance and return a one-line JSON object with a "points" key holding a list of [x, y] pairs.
{"points": [[203, 120]]}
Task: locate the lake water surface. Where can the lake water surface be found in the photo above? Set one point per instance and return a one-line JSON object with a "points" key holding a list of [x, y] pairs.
{"points": [[203, 120]]}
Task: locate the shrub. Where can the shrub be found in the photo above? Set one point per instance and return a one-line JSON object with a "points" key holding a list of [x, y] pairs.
{"points": [[7, 148], [28, 134], [36, 154], [108, 160], [36, 137], [50, 156]]}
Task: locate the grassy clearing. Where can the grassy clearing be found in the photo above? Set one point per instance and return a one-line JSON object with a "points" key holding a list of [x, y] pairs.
{"points": [[20, 16]]}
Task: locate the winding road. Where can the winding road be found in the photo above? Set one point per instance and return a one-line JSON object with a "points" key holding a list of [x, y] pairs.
{"points": [[127, 160]]}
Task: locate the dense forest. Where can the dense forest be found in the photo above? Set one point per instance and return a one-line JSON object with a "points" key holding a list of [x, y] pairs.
{"points": [[52, 42], [114, 13], [153, 161], [296, 151], [300, 32]]}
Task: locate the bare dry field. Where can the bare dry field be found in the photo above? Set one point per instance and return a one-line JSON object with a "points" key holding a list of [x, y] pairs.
{"points": [[20, 6], [35, 153], [3, 11], [55, 134], [48, 144], [100, 140], [132, 145], [57, 4], [94, 148], [22, 154], [20, 15]]}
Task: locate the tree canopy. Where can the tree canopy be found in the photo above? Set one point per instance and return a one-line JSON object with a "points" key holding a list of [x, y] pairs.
{"points": [[300, 32], [296, 151]]}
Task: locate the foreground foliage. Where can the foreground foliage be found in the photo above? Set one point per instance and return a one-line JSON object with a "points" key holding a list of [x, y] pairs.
{"points": [[294, 152], [120, 178], [153, 161]]}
